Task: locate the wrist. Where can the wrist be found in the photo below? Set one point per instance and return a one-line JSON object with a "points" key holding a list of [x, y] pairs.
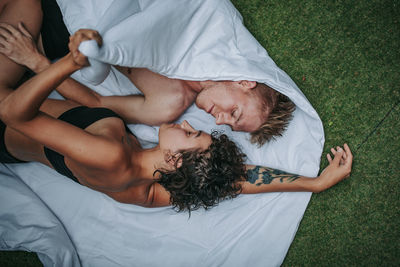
{"points": [[316, 185], [40, 64], [71, 62]]}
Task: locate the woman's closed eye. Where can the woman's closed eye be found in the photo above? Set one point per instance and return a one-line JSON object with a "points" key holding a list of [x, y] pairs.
{"points": [[197, 134]]}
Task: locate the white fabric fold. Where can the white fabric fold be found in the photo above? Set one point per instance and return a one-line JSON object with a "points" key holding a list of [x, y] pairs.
{"points": [[186, 39]]}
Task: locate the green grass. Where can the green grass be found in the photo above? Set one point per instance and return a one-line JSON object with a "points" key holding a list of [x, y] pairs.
{"points": [[345, 57]]}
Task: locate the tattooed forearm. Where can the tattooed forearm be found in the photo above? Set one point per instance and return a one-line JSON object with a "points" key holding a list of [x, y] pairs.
{"points": [[260, 175]]}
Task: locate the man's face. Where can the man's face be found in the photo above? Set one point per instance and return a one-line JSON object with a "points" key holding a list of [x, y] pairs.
{"points": [[232, 103]]}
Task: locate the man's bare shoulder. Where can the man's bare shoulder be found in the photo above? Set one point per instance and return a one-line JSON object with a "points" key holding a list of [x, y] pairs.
{"points": [[164, 98], [149, 82]]}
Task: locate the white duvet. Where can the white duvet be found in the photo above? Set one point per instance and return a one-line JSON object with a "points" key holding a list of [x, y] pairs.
{"points": [[70, 225]]}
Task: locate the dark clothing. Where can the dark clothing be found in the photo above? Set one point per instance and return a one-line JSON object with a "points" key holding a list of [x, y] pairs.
{"points": [[5, 156], [81, 117], [55, 36]]}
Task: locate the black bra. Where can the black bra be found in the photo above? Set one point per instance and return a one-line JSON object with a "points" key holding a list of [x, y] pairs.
{"points": [[81, 117]]}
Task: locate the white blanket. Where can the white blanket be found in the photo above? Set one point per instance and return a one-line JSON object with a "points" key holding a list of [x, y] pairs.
{"points": [[70, 225]]}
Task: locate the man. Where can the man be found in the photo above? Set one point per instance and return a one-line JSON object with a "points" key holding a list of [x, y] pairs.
{"points": [[244, 105]]}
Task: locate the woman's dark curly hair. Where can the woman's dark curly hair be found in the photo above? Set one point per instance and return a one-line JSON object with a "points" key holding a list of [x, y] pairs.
{"points": [[206, 177]]}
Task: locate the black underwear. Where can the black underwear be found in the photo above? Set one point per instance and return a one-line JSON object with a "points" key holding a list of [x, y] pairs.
{"points": [[55, 36], [81, 117], [5, 156]]}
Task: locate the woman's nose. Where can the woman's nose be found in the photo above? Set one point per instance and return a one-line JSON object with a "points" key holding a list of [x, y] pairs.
{"points": [[185, 125]]}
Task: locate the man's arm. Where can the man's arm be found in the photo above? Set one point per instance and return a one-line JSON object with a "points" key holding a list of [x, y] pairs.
{"points": [[262, 179], [162, 103], [132, 108]]}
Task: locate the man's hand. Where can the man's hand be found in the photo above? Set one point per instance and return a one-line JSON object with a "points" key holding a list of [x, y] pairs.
{"points": [[19, 46], [338, 169], [76, 39]]}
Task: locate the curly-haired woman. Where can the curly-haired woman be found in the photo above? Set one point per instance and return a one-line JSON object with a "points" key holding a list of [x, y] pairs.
{"points": [[188, 169]]}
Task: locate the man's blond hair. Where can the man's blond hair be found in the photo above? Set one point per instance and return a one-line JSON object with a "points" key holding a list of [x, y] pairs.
{"points": [[279, 109]]}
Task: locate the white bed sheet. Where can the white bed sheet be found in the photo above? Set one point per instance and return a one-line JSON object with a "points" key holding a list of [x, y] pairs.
{"points": [[70, 225]]}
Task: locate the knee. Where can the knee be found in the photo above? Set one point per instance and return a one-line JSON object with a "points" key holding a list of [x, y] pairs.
{"points": [[28, 12]]}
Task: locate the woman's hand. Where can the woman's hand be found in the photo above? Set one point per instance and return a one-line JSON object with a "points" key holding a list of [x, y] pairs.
{"points": [[18, 45], [76, 39], [338, 169]]}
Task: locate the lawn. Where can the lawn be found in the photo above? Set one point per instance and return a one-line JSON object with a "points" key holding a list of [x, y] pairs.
{"points": [[345, 57]]}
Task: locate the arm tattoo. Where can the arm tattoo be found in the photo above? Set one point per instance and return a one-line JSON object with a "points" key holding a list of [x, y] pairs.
{"points": [[261, 175]]}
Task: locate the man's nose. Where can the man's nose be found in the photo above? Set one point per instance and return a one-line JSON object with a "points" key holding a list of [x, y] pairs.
{"points": [[223, 118]]}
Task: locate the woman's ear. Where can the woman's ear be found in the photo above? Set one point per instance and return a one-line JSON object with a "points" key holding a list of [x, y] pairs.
{"points": [[173, 159], [179, 163]]}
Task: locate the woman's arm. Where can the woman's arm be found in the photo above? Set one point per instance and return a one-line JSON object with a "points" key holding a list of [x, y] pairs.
{"points": [[20, 111], [20, 47], [262, 179], [147, 196], [23, 104]]}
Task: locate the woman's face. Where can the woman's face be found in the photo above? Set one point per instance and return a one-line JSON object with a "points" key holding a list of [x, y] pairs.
{"points": [[182, 137]]}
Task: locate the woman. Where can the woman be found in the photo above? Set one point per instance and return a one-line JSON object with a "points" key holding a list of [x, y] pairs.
{"points": [[196, 169]]}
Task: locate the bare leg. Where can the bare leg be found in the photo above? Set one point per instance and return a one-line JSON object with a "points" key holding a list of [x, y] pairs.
{"points": [[28, 12], [12, 12]]}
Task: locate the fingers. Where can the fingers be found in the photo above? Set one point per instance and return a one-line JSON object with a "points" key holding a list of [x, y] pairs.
{"points": [[94, 35], [10, 34], [4, 32], [349, 160], [343, 158], [348, 151], [76, 39], [329, 157], [338, 156], [86, 34], [5, 36], [10, 30], [22, 28]]}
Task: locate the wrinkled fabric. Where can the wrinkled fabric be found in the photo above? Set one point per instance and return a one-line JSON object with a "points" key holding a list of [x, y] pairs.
{"points": [[194, 40]]}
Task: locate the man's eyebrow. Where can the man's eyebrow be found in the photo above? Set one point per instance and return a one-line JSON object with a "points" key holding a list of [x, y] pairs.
{"points": [[199, 133]]}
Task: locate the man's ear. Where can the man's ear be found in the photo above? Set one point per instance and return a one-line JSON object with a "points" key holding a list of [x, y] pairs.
{"points": [[247, 85]]}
